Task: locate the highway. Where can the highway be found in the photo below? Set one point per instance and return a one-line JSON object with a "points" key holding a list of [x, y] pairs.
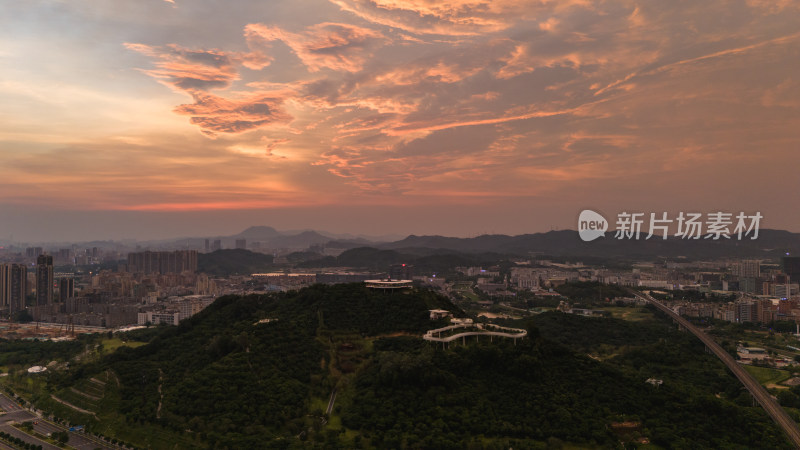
{"points": [[15, 413], [761, 395], [78, 440], [28, 438]]}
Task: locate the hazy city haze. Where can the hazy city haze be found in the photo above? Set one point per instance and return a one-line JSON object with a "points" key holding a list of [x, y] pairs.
{"points": [[152, 119]]}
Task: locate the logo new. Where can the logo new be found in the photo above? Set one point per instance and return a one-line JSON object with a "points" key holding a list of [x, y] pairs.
{"points": [[591, 225]]}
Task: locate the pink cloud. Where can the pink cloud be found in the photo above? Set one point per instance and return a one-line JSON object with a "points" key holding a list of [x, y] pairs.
{"points": [[454, 17], [196, 72], [413, 74], [334, 46], [466, 17], [272, 144], [189, 69], [220, 115], [360, 167]]}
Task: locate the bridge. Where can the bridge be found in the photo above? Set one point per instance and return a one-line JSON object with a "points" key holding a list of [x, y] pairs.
{"points": [[758, 392]]}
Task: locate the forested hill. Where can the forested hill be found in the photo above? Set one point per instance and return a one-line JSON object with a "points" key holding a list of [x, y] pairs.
{"points": [[257, 372], [244, 369]]}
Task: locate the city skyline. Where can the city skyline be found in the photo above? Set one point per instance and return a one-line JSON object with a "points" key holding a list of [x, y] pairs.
{"points": [[161, 119]]}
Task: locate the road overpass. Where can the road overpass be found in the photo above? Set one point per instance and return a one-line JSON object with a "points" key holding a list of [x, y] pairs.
{"points": [[758, 392]]}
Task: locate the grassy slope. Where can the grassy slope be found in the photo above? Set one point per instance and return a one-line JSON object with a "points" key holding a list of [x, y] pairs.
{"points": [[766, 375]]}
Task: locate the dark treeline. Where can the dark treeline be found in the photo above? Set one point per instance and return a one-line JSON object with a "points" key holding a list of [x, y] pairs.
{"points": [[538, 391], [591, 291], [29, 352]]}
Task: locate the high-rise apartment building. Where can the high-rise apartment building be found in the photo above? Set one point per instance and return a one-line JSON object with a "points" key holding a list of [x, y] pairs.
{"points": [[64, 255], [66, 289], [44, 280], [163, 262], [791, 267], [33, 252], [13, 286], [747, 312], [750, 268], [241, 244]]}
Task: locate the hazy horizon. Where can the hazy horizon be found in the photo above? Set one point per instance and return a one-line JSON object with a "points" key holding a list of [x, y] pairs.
{"points": [[231, 229]]}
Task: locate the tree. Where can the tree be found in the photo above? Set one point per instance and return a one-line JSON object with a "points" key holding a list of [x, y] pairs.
{"points": [[61, 436], [23, 316]]}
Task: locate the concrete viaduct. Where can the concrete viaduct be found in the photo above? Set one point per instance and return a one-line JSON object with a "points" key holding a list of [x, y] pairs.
{"points": [[760, 394]]}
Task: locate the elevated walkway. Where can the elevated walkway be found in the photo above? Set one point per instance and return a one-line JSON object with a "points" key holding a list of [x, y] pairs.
{"points": [[478, 330]]}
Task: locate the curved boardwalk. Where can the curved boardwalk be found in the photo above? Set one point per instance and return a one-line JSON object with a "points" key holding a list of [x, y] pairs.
{"points": [[763, 397], [513, 333]]}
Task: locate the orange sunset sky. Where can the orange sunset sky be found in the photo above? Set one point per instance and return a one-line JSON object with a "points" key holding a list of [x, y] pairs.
{"points": [[153, 118]]}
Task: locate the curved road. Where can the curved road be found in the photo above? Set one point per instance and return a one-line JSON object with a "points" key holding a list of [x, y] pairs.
{"points": [[763, 397]]}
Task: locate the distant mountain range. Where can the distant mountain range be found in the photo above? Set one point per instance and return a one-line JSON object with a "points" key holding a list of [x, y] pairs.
{"points": [[770, 244]]}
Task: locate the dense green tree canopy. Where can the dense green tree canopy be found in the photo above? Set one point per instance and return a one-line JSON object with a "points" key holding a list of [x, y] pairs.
{"points": [[257, 371]]}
